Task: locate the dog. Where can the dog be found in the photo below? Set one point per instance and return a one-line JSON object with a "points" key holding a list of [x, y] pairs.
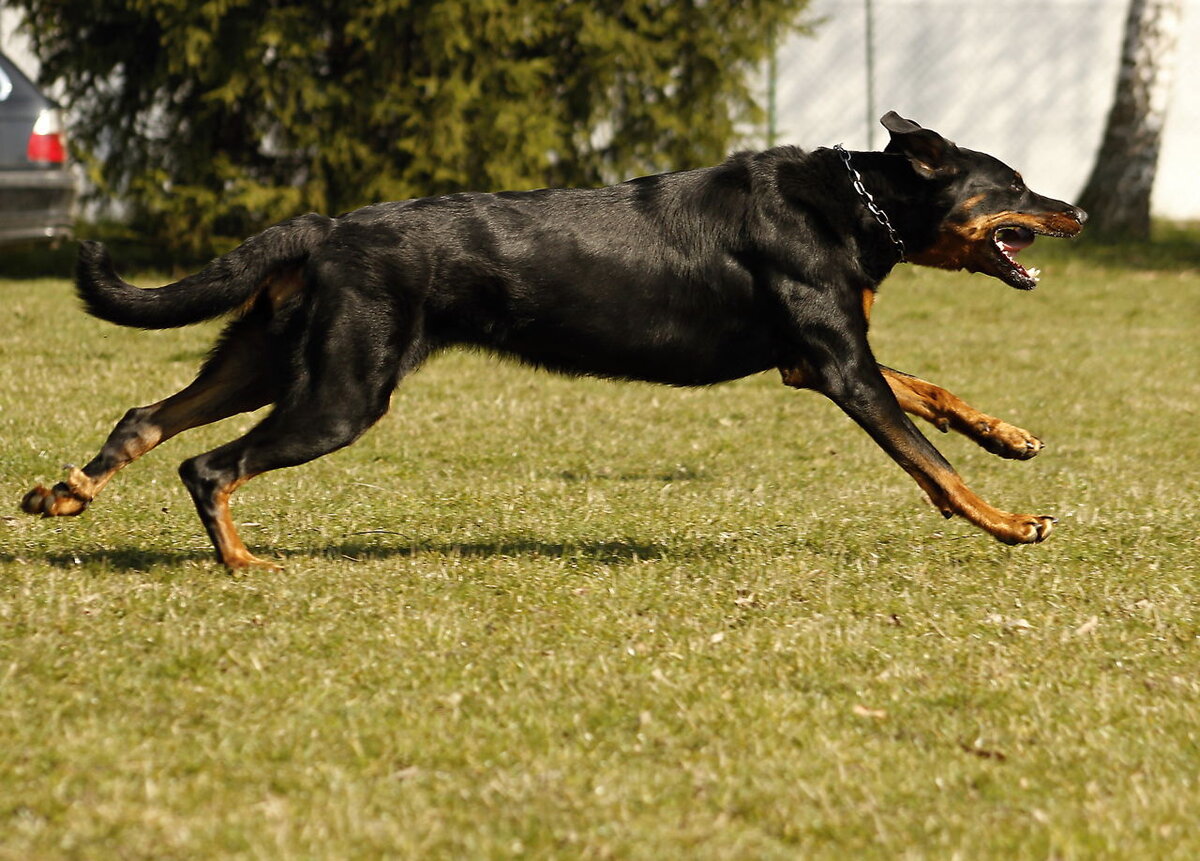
{"points": [[770, 260]]}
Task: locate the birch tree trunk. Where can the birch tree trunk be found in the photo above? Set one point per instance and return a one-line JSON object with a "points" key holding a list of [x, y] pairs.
{"points": [[1117, 195]]}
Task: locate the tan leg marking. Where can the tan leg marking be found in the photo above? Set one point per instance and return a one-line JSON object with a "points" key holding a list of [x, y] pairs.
{"points": [[945, 488], [231, 550], [948, 492], [868, 302], [231, 387], [947, 412], [796, 377]]}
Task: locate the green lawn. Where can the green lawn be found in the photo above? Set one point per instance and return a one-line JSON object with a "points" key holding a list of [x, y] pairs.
{"points": [[561, 618]]}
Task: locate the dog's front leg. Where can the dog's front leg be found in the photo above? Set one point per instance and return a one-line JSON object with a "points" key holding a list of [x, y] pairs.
{"points": [[844, 370], [948, 412]]}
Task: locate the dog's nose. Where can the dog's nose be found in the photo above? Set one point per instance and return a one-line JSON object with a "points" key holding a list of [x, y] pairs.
{"points": [[1079, 214]]}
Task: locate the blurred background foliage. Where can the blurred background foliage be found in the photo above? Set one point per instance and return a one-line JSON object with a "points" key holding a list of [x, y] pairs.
{"points": [[211, 120]]}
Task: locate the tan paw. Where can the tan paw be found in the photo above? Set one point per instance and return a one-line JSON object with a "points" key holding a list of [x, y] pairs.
{"points": [[1005, 440], [246, 559], [58, 501], [1026, 529]]}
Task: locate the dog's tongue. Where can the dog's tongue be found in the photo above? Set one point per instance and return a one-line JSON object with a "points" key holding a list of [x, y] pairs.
{"points": [[1014, 239]]}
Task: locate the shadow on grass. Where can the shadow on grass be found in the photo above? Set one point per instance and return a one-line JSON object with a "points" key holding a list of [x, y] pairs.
{"points": [[601, 552], [120, 559]]}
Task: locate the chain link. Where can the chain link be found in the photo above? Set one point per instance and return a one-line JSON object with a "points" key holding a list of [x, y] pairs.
{"points": [[869, 200]]}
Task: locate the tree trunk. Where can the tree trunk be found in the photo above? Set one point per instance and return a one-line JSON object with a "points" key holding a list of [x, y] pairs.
{"points": [[1117, 195]]}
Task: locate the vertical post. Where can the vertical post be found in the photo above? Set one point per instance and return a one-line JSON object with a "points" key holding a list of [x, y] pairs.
{"points": [[772, 74], [870, 51]]}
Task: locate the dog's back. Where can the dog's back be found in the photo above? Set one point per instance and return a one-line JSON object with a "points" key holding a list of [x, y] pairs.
{"points": [[643, 280]]}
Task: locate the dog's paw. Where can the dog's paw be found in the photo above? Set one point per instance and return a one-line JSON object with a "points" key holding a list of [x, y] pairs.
{"points": [[1026, 529], [241, 560], [1008, 441], [57, 501], [65, 499]]}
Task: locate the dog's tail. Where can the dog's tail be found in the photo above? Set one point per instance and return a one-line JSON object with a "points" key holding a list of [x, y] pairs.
{"points": [[223, 285]]}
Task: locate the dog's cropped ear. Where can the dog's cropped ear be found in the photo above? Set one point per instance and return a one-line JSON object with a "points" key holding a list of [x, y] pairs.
{"points": [[927, 151]]}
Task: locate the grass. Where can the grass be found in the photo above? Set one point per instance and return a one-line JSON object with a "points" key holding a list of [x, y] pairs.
{"points": [[535, 616]]}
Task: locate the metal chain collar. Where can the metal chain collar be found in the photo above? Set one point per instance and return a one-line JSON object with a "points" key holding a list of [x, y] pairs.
{"points": [[869, 200]]}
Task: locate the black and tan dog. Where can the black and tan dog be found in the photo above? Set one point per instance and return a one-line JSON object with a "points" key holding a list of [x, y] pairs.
{"points": [[769, 260]]}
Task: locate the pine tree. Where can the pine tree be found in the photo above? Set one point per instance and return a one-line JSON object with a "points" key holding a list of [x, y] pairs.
{"points": [[215, 118]]}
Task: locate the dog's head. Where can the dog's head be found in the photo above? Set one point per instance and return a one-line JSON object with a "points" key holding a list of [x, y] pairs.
{"points": [[989, 213]]}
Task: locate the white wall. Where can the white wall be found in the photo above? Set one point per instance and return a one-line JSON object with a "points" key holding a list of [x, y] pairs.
{"points": [[14, 45], [1029, 81]]}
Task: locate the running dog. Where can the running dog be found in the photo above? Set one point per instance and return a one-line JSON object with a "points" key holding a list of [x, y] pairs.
{"points": [[768, 260]]}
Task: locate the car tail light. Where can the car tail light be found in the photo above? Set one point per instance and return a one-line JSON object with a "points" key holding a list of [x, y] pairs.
{"points": [[47, 143]]}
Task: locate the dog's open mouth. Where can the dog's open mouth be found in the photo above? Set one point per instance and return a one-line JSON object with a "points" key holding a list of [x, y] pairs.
{"points": [[1010, 240]]}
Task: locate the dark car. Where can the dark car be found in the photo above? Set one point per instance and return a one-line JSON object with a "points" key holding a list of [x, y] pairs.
{"points": [[37, 190]]}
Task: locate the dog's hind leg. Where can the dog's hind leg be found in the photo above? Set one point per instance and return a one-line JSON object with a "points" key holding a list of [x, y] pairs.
{"points": [[948, 412], [357, 352], [240, 375]]}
